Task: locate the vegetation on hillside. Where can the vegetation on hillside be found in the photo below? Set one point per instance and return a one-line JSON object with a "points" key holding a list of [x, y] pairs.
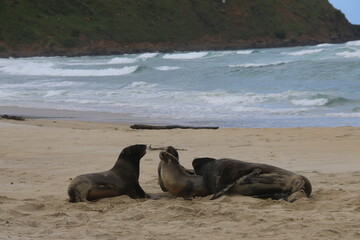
{"points": [[53, 26]]}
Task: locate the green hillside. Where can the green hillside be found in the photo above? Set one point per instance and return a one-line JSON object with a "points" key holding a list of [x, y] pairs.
{"points": [[76, 27]]}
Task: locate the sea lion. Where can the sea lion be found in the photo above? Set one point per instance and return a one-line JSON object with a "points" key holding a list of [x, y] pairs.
{"points": [[251, 179], [122, 179], [173, 152], [177, 181]]}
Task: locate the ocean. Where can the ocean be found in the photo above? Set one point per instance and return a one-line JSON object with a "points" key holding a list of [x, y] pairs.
{"points": [[310, 86]]}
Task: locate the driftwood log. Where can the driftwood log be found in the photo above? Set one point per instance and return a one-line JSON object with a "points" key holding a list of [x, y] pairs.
{"points": [[18, 118], [151, 148], [153, 127]]}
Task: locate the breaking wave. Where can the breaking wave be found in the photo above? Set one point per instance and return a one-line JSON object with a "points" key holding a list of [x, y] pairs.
{"points": [[185, 56], [166, 68], [303, 52], [347, 54], [256, 65], [122, 60], [49, 69], [244, 52]]}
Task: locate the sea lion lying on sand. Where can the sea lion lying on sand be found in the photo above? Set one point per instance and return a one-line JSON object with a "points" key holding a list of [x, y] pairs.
{"points": [[251, 179], [177, 181], [122, 179]]}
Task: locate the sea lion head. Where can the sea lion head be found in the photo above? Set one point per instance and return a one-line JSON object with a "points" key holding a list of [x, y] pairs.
{"points": [[200, 163], [172, 151], [133, 152], [168, 157]]}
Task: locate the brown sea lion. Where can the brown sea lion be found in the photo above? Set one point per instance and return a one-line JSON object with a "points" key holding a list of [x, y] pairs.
{"points": [[177, 181], [251, 179], [172, 151], [122, 179]]}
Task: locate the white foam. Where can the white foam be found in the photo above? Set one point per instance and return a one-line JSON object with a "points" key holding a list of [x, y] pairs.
{"points": [[310, 102], [249, 102], [28, 86], [303, 52], [122, 60], [245, 52], [138, 84], [351, 115], [147, 55], [184, 56], [224, 98], [288, 111], [255, 65], [55, 93], [166, 68], [7, 95], [48, 69], [347, 54], [325, 45], [353, 43]]}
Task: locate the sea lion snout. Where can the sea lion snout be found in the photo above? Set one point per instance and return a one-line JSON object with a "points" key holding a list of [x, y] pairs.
{"points": [[165, 156], [172, 151], [134, 151]]}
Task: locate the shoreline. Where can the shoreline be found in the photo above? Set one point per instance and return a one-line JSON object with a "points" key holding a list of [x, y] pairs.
{"points": [[107, 48], [71, 115], [129, 119]]}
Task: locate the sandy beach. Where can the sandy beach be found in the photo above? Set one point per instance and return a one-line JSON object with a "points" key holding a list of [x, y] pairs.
{"points": [[38, 157]]}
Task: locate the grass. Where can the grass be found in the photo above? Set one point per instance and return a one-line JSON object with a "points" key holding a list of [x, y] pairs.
{"points": [[74, 23]]}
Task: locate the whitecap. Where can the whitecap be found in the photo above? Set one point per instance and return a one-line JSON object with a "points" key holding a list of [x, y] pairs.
{"points": [[325, 45], [166, 68], [288, 111], [255, 65], [224, 98], [350, 115], [184, 56], [147, 55], [271, 111], [138, 84], [55, 93], [303, 52], [310, 102], [353, 43], [244, 52], [347, 54], [141, 84], [122, 60], [48, 69]]}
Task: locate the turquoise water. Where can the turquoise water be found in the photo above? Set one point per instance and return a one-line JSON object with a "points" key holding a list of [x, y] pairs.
{"points": [[278, 87]]}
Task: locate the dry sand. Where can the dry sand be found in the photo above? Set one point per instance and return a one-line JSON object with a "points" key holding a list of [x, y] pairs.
{"points": [[38, 157]]}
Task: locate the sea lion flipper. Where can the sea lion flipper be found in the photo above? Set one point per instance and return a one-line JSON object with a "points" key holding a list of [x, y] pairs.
{"points": [[241, 180], [222, 191], [296, 196], [246, 178], [137, 192], [189, 171], [161, 183]]}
